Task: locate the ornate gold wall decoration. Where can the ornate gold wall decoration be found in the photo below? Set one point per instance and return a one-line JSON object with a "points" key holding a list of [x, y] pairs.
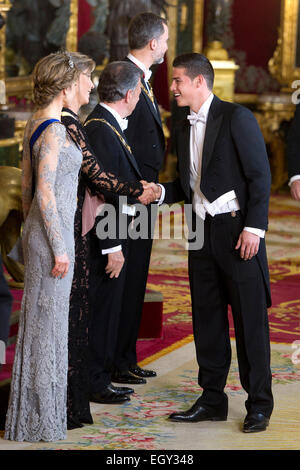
{"points": [[224, 68], [21, 87], [71, 42], [197, 33], [5, 6], [285, 63]]}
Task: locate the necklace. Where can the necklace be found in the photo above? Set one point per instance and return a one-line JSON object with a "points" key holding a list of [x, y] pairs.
{"points": [[123, 141]]}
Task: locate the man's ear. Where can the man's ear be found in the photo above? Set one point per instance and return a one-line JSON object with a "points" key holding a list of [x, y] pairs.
{"points": [[128, 96], [199, 81], [152, 44]]}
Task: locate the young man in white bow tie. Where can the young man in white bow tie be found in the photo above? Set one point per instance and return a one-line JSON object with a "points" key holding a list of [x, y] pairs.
{"points": [[224, 173], [148, 42]]}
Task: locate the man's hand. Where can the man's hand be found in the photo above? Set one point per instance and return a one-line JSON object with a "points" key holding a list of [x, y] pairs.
{"points": [[114, 264], [295, 190], [151, 192], [248, 243]]}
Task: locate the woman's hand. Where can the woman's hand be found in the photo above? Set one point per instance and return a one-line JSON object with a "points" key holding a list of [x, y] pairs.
{"points": [[61, 266]]}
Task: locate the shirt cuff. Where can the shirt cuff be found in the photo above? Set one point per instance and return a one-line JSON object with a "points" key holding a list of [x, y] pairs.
{"points": [[294, 178], [113, 249], [256, 231], [162, 196]]}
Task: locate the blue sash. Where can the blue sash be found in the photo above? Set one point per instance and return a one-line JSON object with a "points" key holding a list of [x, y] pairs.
{"points": [[33, 140], [38, 132]]}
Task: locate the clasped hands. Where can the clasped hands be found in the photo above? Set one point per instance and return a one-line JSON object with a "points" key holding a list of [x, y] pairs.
{"points": [[151, 192]]}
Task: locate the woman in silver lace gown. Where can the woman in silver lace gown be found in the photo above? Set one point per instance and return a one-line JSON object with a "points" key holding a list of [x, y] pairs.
{"points": [[37, 405]]}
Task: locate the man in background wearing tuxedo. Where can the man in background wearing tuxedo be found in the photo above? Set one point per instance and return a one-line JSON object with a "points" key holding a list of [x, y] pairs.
{"points": [[224, 173], [148, 36]]}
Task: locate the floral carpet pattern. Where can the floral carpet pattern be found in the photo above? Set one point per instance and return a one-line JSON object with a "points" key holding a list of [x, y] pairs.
{"points": [[142, 423]]}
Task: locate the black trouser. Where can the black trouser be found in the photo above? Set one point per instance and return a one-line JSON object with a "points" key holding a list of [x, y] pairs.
{"points": [[105, 302], [218, 278], [138, 255]]}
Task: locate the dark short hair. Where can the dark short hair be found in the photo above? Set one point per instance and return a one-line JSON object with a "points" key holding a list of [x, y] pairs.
{"points": [[196, 64], [143, 28], [116, 79]]}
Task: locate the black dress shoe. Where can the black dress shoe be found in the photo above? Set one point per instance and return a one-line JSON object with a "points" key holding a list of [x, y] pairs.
{"points": [[199, 412], [255, 422], [109, 396], [127, 378], [122, 390], [137, 370]]}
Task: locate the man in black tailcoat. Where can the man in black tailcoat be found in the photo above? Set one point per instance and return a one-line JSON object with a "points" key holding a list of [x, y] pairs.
{"points": [[119, 89], [224, 174], [148, 36]]}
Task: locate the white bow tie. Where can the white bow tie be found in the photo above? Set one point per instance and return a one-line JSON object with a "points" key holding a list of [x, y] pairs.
{"points": [[194, 118], [147, 74], [123, 124]]}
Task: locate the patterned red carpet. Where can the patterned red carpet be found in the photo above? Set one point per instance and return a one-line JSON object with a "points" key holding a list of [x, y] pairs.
{"points": [[141, 423], [168, 275]]}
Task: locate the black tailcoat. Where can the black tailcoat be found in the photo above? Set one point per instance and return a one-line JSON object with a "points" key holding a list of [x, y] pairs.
{"points": [[105, 294], [234, 158], [146, 138]]}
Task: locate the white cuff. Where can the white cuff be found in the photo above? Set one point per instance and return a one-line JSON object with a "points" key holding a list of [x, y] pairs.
{"points": [[294, 178], [128, 210], [256, 231], [162, 196], [114, 249]]}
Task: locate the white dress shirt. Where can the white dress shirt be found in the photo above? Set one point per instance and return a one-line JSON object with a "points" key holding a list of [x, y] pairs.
{"points": [[228, 202], [123, 123], [294, 178], [147, 72]]}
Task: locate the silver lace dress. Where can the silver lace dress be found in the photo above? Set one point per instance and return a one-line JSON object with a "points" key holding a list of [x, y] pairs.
{"points": [[37, 404]]}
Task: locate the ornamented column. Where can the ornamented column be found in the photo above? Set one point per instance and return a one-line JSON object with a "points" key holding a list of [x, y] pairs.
{"points": [[219, 17], [5, 6], [71, 41]]}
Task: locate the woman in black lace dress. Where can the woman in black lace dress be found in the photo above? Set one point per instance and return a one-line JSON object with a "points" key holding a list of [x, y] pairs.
{"points": [[97, 179]]}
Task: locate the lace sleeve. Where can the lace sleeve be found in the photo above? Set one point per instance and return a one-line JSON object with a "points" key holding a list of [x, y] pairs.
{"points": [[96, 177], [53, 138], [26, 178]]}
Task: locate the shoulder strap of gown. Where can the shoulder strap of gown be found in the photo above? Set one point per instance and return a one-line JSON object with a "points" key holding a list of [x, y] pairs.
{"points": [[38, 132]]}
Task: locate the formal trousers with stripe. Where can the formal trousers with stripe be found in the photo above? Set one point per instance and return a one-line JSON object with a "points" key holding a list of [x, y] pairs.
{"points": [[219, 278]]}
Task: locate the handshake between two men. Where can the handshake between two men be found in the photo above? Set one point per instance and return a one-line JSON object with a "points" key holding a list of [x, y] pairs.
{"points": [[152, 192]]}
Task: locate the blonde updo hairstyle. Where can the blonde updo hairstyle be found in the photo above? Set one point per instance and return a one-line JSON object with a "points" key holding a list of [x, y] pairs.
{"points": [[56, 72]]}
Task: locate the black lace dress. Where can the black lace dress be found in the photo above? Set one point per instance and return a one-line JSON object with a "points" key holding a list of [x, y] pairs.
{"points": [[98, 180]]}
